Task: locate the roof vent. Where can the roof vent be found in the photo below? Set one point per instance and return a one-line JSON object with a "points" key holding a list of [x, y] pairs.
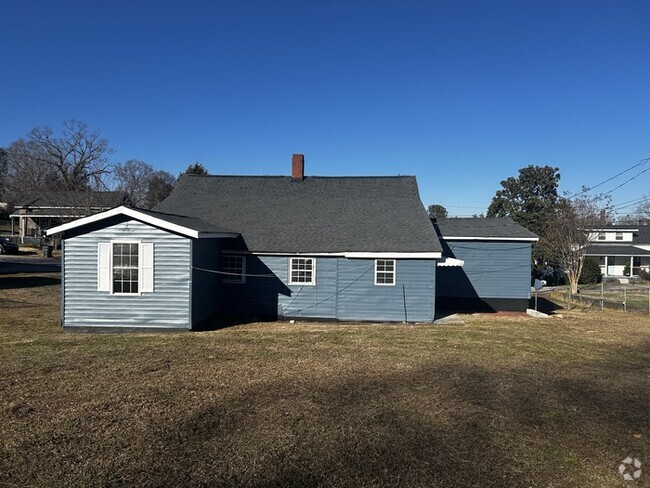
{"points": [[298, 167]]}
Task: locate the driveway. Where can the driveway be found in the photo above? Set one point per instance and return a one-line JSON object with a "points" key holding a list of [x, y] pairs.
{"points": [[26, 263]]}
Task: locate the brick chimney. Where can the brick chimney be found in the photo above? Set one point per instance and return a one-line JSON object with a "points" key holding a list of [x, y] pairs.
{"points": [[603, 217], [298, 167]]}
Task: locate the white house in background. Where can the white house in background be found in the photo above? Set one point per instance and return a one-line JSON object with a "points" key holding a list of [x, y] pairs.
{"points": [[616, 246]]}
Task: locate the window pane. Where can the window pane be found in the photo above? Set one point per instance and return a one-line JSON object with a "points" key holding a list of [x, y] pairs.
{"points": [[125, 267]]}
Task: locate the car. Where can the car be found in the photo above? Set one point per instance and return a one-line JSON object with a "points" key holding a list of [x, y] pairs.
{"points": [[7, 246]]}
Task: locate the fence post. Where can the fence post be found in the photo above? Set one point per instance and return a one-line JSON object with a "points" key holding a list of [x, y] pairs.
{"points": [[649, 300], [602, 295]]}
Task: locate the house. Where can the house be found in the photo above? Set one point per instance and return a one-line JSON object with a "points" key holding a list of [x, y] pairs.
{"points": [[344, 248], [327, 248], [496, 271], [615, 247], [38, 211]]}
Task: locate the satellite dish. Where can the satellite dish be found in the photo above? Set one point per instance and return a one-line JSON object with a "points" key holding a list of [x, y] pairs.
{"points": [[539, 284]]}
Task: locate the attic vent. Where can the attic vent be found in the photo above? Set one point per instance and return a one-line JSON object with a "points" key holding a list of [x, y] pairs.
{"points": [[298, 167]]}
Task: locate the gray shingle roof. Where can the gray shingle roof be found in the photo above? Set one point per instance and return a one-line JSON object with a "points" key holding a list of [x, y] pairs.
{"points": [[483, 227], [318, 214], [193, 223], [616, 250], [49, 199]]}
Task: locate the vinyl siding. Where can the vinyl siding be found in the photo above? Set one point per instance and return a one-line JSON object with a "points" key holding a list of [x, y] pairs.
{"points": [[491, 270], [344, 290], [206, 286], [168, 306]]}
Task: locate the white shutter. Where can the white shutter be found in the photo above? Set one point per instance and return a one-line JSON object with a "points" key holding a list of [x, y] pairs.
{"points": [[104, 266], [146, 267]]}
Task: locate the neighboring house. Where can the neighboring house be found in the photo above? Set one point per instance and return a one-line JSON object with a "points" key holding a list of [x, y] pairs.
{"points": [[496, 271], [36, 212], [337, 248], [614, 247]]}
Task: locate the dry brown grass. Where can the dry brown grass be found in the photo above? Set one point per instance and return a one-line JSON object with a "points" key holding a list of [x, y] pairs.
{"points": [[505, 401]]}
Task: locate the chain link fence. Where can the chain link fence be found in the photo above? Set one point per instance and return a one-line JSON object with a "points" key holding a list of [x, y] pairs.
{"points": [[612, 295]]}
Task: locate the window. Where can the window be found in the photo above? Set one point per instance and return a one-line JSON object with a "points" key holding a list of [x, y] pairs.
{"points": [[125, 267], [619, 236], [384, 272], [601, 236], [234, 269], [302, 271]]}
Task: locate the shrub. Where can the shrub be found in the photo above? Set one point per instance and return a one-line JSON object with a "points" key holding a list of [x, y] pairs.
{"points": [[644, 275], [626, 270], [590, 272]]}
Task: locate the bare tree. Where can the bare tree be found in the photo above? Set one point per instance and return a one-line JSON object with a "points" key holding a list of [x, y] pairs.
{"points": [[78, 155], [132, 177], [160, 185], [75, 162], [570, 233]]}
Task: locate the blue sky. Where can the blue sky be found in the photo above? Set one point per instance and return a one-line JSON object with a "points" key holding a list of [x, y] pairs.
{"points": [[460, 94]]}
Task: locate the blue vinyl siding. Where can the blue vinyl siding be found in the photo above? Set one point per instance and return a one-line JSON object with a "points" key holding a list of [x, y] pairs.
{"points": [[491, 270], [206, 286], [168, 306], [410, 299], [344, 290]]}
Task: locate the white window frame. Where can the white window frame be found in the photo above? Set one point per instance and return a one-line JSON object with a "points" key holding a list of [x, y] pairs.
{"points": [[232, 279], [139, 243], [394, 272], [313, 272], [601, 236], [618, 236]]}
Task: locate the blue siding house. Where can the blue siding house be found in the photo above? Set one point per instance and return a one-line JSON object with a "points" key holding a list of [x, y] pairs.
{"points": [[339, 248], [495, 254]]}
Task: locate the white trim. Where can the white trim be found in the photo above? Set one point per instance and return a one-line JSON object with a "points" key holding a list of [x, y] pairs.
{"points": [[522, 239], [129, 212], [351, 255], [394, 272], [613, 230], [449, 262], [313, 272]]}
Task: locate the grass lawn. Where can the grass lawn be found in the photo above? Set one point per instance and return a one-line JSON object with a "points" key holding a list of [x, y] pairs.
{"points": [[499, 401]]}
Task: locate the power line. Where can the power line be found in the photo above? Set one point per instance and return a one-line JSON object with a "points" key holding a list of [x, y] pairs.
{"points": [[588, 189]]}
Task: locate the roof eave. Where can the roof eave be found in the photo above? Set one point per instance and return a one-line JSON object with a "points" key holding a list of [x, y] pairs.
{"points": [[135, 214], [475, 238]]}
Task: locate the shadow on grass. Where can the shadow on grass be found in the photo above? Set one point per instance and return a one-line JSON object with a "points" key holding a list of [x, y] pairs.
{"points": [[11, 282], [441, 425], [545, 305]]}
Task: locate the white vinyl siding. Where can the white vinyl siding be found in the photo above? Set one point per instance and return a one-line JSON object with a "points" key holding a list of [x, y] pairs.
{"points": [[384, 272], [302, 271]]}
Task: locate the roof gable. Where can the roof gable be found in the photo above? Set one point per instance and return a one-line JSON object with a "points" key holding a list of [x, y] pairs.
{"points": [[276, 214], [180, 224]]}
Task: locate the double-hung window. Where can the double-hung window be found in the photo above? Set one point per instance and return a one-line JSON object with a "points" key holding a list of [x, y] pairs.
{"points": [[384, 271], [302, 271], [233, 268], [619, 236], [601, 236], [125, 267]]}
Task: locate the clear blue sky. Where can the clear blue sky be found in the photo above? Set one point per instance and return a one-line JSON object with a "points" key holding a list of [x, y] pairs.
{"points": [[460, 94]]}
